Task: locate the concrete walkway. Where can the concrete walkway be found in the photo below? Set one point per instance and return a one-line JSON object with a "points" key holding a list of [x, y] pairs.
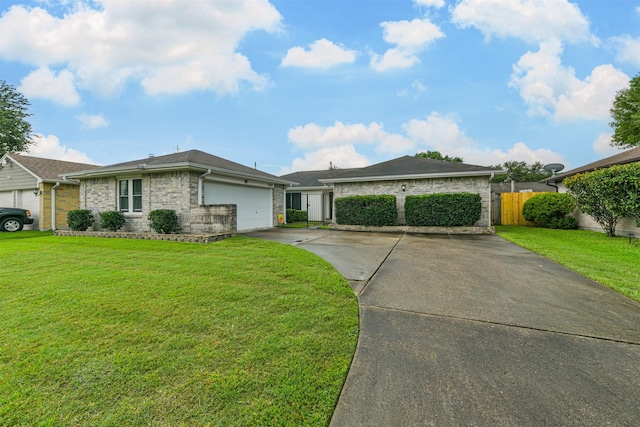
{"points": [[473, 330]]}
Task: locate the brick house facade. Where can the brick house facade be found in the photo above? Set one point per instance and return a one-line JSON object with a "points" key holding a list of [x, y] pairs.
{"points": [[209, 194], [410, 175]]}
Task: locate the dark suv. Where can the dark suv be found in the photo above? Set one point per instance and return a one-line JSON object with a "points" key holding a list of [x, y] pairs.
{"points": [[13, 219]]}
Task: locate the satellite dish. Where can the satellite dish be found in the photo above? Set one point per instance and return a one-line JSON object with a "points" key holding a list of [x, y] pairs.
{"points": [[554, 167]]}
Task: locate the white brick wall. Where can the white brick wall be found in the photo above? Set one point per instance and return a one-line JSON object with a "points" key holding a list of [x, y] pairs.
{"points": [[414, 187]]}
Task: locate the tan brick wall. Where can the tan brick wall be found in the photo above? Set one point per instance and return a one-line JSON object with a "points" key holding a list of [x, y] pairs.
{"points": [[476, 185], [67, 198]]}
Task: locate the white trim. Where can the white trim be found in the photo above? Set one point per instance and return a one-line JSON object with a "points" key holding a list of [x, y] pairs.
{"points": [[411, 176]]}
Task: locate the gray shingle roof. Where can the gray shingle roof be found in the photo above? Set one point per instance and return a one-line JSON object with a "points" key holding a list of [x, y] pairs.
{"points": [[412, 167], [629, 156], [49, 169], [192, 159], [307, 179]]}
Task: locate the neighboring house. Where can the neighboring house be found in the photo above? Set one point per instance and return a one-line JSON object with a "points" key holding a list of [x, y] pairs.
{"points": [[408, 175], [201, 188], [624, 227], [36, 184], [309, 194]]}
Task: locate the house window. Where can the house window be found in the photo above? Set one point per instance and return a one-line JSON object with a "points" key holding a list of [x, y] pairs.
{"points": [[294, 201], [130, 195]]}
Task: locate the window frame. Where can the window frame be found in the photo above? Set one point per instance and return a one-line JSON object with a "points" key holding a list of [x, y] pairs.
{"points": [[131, 197]]}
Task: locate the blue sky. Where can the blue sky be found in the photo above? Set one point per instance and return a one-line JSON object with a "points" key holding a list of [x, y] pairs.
{"points": [[298, 84]]}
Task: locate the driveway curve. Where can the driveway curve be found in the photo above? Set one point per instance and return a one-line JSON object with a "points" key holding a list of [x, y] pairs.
{"points": [[474, 330]]}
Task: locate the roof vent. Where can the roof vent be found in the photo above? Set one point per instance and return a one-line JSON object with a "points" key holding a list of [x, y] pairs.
{"points": [[151, 155]]}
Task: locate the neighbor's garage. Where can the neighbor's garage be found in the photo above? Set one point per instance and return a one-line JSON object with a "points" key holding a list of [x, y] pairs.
{"points": [[23, 199], [254, 204]]}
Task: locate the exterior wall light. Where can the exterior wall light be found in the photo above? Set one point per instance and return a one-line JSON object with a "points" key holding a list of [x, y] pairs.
{"points": [[404, 187], [36, 191]]}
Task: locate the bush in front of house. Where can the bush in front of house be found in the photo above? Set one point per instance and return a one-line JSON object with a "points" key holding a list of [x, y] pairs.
{"points": [[367, 210], [549, 210], [80, 219], [164, 221], [443, 210], [295, 215], [112, 220]]}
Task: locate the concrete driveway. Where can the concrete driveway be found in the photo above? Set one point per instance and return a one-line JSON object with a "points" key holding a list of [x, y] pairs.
{"points": [[473, 330]]}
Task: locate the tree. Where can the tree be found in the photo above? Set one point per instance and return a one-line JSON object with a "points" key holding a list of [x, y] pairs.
{"points": [[521, 172], [625, 113], [608, 195], [15, 130], [435, 155]]}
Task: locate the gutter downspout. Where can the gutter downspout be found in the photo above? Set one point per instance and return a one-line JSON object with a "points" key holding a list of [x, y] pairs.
{"points": [[53, 205], [200, 186], [491, 200]]}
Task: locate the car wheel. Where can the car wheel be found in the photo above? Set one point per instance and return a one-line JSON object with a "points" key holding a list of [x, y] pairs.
{"points": [[11, 224]]}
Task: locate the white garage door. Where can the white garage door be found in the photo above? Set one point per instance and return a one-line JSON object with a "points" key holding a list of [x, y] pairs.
{"points": [[254, 204], [6, 199], [24, 199], [28, 200]]}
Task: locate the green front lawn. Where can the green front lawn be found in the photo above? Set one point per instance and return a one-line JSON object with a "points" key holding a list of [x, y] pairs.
{"points": [[614, 262], [127, 332]]}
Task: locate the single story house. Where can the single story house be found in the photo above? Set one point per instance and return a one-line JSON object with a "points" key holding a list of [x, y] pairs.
{"points": [[627, 225], [407, 175], [36, 184], [209, 194]]}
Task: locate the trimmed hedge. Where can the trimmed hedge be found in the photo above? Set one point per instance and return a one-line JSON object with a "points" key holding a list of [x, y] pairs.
{"points": [[163, 221], [295, 215], [80, 219], [443, 210], [112, 220], [549, 210], [366, 210]]}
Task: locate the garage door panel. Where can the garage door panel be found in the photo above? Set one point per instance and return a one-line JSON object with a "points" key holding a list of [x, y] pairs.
{"points": [[6, 199], [254, 204]]}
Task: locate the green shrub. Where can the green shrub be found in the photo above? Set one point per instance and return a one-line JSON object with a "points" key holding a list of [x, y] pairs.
{"points": [[564, 223], [367, 210], [80, 219], [295, 215], [546, 209], [443, 209], [112, 220], [163, 221]]}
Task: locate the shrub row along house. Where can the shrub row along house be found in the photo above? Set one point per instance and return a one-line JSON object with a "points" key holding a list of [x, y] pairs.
{"points": [[316, 191]]}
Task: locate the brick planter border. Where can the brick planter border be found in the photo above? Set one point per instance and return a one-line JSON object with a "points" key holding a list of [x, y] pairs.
{"points": [[192, 238]]}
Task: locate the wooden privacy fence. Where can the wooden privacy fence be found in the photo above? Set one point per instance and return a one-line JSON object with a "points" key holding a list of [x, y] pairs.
{"points": [[511, 208]]}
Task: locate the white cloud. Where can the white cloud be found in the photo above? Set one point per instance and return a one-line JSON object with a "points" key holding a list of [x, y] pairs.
{"points": [[429, 3], [529, 20], [92, 121], [442, 133], [171, 45], [602, 145], [549, 88], [321, 54], [312, 135], [49, 147], [342, 156], [435, 132], [45, 84], [628, 49], [410, 38]]}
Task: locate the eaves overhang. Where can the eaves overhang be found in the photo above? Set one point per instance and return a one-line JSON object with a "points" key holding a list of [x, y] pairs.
{"points": [[145, 168], [412, 176]]}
